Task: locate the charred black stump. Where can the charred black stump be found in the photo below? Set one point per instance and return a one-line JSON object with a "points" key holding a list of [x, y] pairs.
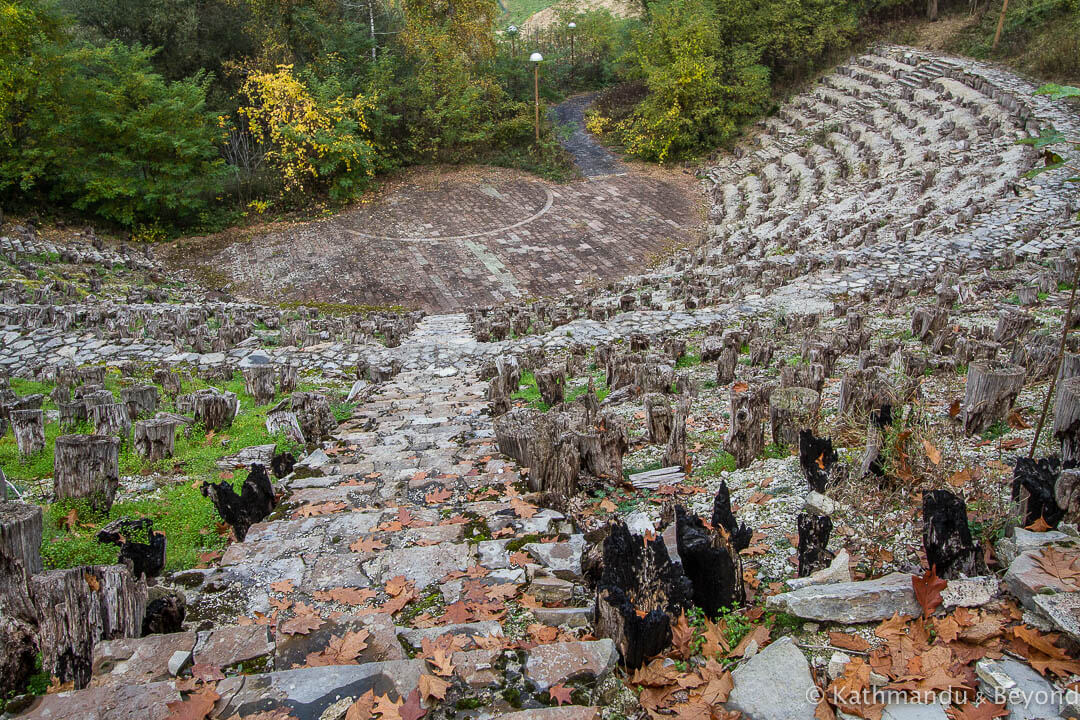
{"points": [[814, 531], [711, 561], [946, 536], [141, 549], [165, 615], [281, 464], [255, 501], [1039, 478], [816, 458], [722, 517], [640, 593]]}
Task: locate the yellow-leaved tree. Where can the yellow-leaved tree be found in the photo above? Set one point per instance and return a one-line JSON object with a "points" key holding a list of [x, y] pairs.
{"points": [[316, 136]]}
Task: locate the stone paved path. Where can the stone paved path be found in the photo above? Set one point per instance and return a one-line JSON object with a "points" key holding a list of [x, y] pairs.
{"points": [[446, 240], [411, 503], [592, 158]]}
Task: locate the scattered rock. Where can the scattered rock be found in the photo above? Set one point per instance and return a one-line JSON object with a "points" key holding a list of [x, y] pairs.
{"points": [[851, 602], [780, 665]]}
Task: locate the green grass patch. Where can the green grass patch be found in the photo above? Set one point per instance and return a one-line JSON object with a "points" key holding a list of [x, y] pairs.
{"points": [[718, 463]]}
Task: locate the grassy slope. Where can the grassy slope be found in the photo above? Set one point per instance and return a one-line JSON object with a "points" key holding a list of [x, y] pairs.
{"points": [[516, 12]]}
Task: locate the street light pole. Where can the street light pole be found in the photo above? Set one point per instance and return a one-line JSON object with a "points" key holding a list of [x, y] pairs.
{"points": [[536, 58]]}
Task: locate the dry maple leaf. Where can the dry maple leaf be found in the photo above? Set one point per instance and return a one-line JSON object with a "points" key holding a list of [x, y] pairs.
{"points": [[92, 582], [346, 596], [523, 509], [984, 711], [70, 520], [367, 544], [301, 624], [361, 709], [1040, 525], [326, 508], [386, 708], [928, 589], [847, 641], [1062, 567], [931, 452], [411, 709], [892, 628], [207, 673], [439, 496], [432, 686], [502, 591], [682, 636], [520, 559], [197, 707], [607, 506], [397, 585], [561, 694], [440, 659], [340, 650], [282, 586]]}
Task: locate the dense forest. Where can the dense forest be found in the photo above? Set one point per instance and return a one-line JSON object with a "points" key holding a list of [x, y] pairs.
{"points": [[157, 115]]}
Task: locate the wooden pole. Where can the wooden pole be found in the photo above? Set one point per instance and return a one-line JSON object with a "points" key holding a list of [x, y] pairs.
{"points": [[1001, 23], [536, 77], [1061, 355]]}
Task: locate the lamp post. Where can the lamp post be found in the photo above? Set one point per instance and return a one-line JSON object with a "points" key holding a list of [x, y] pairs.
{"points": [[512, 31], [572, 26], [536, 58]]}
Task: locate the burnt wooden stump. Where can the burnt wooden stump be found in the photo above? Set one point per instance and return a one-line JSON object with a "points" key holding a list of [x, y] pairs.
{"points": [[142, 549], [87, 466], [658, 418], [111, 419], [78, 607], [255, 501], [282, 463], [141, 401], [288, 378], [1033, 487], [946, 536], [20, 533], [791, 411], [814, 531], [1067, 419], [314, 415], [155, 439], [746, 435], [165, 614], [711, 562], [29, 429], [259, 383], [551, 382], [723, 517], [675, 452], [639, 594], [817, 458], [989, 394]]}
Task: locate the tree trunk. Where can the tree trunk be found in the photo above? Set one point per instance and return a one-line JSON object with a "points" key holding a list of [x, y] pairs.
{"points": [[1012, 324], [746, 435], [989, 394], [289, 378], [725, 365], [214, 409], [20, 534], [792, 410], [675, 453], [87, 466], [761, 352], [711, 562], [18, 623], [141, 401], [285, 422], [155, 439], [78, 607], [169, 381], [111, 419], [1028, 295], [1067, 419], [614, 442], [1067, 495], [550, 382], [255, 501], [639, 594], [29, 429], [658, 418], [72, 414], [928, 322], [504, 384], [862, 391], [313, 413], [946, 536], [259, 383], [814, 531]]}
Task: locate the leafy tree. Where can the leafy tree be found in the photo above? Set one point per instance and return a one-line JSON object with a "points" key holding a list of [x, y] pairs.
{"points": [[316, 137], [105, 133], [1051, 137], [700, 88], [25, 28]]}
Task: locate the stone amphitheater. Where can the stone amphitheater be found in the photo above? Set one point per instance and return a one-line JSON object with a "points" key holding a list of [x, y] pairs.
{"points": [[893, 183]]}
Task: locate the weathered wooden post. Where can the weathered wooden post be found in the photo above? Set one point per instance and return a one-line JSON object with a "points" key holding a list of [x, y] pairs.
{"points": [[87, 466], [29, 429]]}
